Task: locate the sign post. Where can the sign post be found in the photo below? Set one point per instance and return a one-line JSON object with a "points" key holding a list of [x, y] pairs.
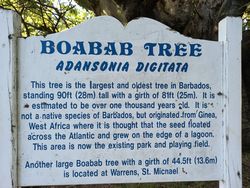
{"points": [[9, 31], [230, 33], [103, 103]]}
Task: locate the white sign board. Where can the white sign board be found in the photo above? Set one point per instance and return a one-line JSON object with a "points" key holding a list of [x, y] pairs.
{"points": [[112, 105], [103, 103]]}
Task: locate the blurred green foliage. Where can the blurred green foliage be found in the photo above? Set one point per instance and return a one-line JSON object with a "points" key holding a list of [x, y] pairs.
{"points": [[246, 18], [42, 17]]}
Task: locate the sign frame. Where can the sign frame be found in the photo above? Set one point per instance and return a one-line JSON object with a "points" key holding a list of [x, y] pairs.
{"points": [[229, 34]]}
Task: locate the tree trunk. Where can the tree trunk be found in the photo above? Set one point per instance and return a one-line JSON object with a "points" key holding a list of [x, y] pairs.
{"points": [[246, 91], [197, 18]]}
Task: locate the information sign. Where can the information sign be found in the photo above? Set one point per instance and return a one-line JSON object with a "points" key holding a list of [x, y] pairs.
{"points": [[134, 104], [106, 103]]}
